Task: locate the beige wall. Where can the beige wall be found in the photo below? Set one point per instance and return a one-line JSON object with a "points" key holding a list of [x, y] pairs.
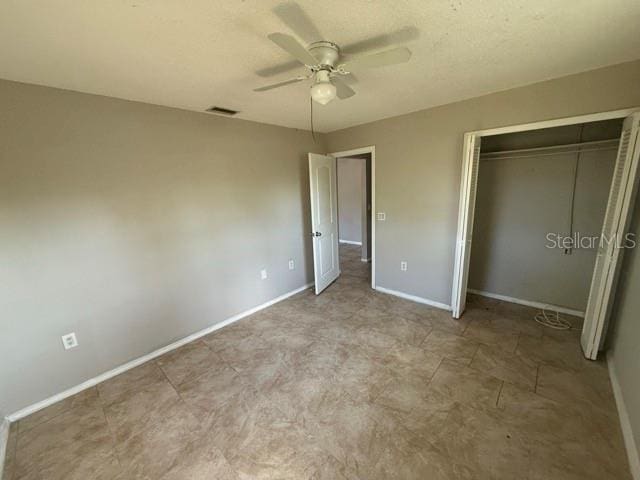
{"points": [[625, 339], [135, 225], [522, 199], [419, 157], [350, 172]]}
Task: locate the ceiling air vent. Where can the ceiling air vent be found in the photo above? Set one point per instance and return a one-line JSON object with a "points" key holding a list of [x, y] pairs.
{"points": [[222, 111]]}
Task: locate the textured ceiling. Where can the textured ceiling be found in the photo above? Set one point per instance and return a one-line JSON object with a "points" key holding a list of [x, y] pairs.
{"points": [[200, 53]]}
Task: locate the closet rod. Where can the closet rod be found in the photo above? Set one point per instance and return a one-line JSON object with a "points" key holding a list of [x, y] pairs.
{"points": [[554, 150], [551, 154]]}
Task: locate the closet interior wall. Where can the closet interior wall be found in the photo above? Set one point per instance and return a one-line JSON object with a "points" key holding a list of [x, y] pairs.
{"points": [[534, 188]]}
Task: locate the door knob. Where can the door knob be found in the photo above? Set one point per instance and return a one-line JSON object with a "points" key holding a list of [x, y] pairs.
{"points": [[317, 234]]}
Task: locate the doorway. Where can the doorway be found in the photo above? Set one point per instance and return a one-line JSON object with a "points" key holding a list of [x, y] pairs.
{"points": [[356, 229], [354, 220], [621, 192], [324, 217]]}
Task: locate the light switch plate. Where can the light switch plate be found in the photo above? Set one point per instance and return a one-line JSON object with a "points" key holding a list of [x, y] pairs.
{"points": [[381, 216], [69, 341]]}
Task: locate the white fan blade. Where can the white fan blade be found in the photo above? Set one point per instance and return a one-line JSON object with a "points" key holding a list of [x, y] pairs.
{"points": [[386, 40], [342, 89], [280, 84], [278, 69], [291, 46], [390, 57], [349, 79], [298, 21]]}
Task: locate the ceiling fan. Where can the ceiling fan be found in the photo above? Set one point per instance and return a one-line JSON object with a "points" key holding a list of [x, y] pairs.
{"points": [[325, 61]]}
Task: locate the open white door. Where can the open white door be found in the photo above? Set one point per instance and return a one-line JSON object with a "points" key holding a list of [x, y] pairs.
{"points": [[324, 219], [616, 223], [468, 186]]}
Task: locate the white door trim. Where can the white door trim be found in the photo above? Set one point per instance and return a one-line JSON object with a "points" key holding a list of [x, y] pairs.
{"points": [[627, 431], [359, 151], [557, 122], [4, 441], [467, 165]]}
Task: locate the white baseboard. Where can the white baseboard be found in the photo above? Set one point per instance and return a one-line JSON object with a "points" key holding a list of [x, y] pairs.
{"points": [[145, 358], [414, 298], [625, 424], [4, 441], [528, 303], [365, 260], [350, 242]]}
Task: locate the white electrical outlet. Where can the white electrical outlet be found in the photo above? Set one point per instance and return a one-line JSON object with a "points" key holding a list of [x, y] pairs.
{"points": [[291, 265], [69, 341], [263, 274], [403, 266], [381, 216]]}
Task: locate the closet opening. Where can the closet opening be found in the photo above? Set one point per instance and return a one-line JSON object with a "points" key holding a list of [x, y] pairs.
{"points": [[547, 208]]}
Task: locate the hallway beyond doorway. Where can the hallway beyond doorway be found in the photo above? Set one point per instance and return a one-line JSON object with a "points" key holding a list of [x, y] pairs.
{"points": [[351, 263]]}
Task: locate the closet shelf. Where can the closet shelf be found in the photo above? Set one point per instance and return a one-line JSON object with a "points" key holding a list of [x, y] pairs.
{"points": [[552, 150]]}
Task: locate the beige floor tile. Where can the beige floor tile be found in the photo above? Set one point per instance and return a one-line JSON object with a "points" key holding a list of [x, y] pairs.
{"points": [[152, 452], [404, 330], [271, 445], [79, 465], [562, 427], [483, 331], [570, 460], [372, 444], [233, 340], [188, 362], [201, 461], [136, 410], [68, 445], [506, 366], [362, 375], [450, 346], [350, 384], [480, 440], [421, 405], [590, 388], [443, 321], [411, 361], [455, 383], [505, 320], [300, 396], [299, 335], [147, 374], [561, 349], [87, 397], [406, 394]]}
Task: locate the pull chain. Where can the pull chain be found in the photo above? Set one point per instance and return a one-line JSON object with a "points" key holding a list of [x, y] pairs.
{"points": [[313, 133]]}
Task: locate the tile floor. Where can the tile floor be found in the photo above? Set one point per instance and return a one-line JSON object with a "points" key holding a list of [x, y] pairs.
{"points": [[350, 384]]}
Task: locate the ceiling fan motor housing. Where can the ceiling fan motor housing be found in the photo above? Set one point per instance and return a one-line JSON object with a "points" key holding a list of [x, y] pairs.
{"points": [[327, 53]]}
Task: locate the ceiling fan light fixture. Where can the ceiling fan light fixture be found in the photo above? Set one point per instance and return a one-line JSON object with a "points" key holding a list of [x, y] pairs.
{"points": [[323, 91]]}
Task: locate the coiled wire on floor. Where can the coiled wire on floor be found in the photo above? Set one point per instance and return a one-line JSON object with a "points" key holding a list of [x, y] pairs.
{"points": [[552, 319]]}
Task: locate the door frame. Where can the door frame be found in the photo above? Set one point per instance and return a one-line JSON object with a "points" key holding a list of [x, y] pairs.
{"points": [[372, 181], [457, 288]]}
